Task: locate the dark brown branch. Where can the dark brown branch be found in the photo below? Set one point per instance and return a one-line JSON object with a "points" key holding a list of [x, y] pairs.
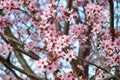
{"points": [[29, 53], [58, 26], [8, 57], [112, 18], [111, 13], [66, 28]]}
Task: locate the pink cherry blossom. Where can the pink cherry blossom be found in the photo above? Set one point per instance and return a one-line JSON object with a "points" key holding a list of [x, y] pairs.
{"points": [[41, 64], [70, 55], [94, 13], [8, 48]]}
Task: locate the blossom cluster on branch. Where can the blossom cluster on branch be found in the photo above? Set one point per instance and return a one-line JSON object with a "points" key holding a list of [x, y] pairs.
{"points": [[59, 40]]}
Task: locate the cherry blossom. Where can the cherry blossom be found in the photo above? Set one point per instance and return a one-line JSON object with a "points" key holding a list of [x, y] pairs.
{"points": [[70, 55], [59, 40], [8, 48], [42, 63]]}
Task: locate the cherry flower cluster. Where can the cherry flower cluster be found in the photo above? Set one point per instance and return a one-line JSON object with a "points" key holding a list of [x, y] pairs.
{"points": [[45, 65], [94, 14], [8, 5], [5, 49], [4, 20], [78, 31], [56, 43], [66, 76], [70, 55], [111, 53], [109, 49], [78, 3], [106, 48], [97, 29], [101, 74], [66, 15]]}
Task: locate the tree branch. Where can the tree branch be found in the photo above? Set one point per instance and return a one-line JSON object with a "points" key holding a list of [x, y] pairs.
{"points": [[8, 67], [17, 53], [112, 18], [4, 61], [99, 67], [13, 40]]}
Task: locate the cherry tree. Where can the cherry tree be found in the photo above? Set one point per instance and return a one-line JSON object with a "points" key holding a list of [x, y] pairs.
{"points": [[59, 40]]}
